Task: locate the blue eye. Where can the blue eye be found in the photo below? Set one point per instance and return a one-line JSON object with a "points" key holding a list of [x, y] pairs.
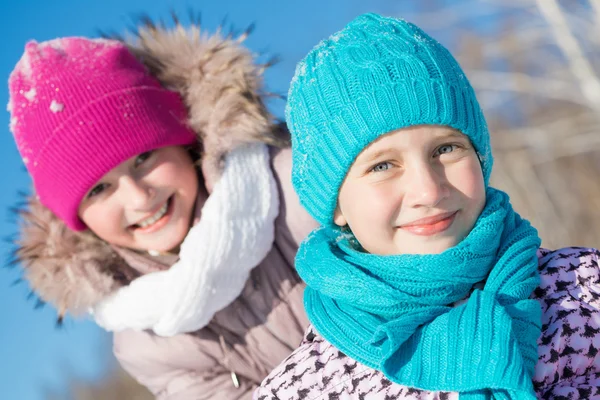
{"points": [[96, 190], [381, 167], [447, 148]]}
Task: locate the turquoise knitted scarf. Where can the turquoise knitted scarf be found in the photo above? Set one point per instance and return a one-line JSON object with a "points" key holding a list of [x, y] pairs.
{"points": [[395, 313]]}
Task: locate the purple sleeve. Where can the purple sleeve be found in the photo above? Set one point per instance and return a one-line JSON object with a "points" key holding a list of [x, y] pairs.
{"points": [[569, 364]]}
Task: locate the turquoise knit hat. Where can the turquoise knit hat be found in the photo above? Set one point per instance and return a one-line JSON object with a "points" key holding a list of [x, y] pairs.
{"points": [[376, 75]]}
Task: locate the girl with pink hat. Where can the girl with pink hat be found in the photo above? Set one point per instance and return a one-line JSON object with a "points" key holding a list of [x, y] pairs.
{"points": [[162, 205]]}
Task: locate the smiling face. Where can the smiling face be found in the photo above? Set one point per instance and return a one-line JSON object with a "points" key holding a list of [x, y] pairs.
{"points": [[417, 190], [146, 202]]}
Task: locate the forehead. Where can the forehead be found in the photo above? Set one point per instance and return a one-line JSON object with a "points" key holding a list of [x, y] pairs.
{"points": [[406, 138], [176, 155]]}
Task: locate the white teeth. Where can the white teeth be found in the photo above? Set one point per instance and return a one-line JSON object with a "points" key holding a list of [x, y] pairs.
{"points": [[150, 220]]}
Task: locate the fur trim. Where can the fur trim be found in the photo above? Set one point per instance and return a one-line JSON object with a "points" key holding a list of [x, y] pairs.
{"points": [[221, 86], [220, 83], [71, 270]]}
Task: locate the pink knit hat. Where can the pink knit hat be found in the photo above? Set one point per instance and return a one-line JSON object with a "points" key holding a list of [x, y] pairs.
{"points": [[80, 107]]}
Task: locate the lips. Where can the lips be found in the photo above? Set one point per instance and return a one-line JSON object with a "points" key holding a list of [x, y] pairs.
{"points": [[430, 225]]}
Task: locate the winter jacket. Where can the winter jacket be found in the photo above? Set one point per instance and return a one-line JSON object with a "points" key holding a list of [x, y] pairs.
{"points": [[243, 342], [228, 358], [568, 361]]}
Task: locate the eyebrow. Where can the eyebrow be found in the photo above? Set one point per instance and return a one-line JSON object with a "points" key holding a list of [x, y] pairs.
{"points": [[375, 155], [379, 153], [453, 133]]}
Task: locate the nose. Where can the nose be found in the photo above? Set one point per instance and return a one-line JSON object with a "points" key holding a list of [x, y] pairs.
{"points": [[426, 186], [134, 193]]}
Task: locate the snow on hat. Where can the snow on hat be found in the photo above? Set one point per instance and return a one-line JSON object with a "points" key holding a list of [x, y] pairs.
{"points": [[80, 107]]}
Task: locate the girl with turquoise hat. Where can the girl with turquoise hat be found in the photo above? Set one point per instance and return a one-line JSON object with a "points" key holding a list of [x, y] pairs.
{"points": [[422, 282]]}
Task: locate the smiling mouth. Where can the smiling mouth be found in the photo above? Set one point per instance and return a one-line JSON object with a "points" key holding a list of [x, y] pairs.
{"points": [[158, 218], [431, 226]]}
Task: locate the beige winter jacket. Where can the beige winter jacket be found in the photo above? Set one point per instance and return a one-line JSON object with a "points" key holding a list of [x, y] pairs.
{"points": [[221, 85], [249, 338]]}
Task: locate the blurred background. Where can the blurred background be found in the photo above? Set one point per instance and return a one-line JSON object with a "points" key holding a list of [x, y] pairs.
{"points": [[535, 65]]}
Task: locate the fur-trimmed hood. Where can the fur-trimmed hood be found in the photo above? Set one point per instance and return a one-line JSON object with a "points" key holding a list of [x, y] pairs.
{"points": [[222, 87]]}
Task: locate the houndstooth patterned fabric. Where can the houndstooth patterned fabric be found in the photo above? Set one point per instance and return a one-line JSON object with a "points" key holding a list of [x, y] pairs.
{"points": [[568, 366]]}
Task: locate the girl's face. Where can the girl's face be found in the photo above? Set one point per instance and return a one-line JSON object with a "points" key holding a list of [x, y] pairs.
{"points": [[146, 202], [417, 190]]}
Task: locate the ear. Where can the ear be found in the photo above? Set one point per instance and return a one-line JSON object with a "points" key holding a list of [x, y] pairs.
{"points": [[338, 217]]}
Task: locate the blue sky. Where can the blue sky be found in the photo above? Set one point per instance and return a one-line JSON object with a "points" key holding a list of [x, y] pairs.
{"points": [[33, 353]]}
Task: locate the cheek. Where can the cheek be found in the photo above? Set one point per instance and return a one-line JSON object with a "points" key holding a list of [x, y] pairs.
{"points": [[386, 200], [370, 204], [468, 180], [184, 181], [103, 219], [191, 180], [188, 187], [181, 176]]}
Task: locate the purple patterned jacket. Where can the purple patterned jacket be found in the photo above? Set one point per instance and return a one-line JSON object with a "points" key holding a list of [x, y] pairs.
{"points": [[568, 365]]}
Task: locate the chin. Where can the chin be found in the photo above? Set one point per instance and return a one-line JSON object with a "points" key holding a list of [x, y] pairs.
{"points": [[166, 247], [435, 247], [172, 244], [166, 241], [443, 246]]}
